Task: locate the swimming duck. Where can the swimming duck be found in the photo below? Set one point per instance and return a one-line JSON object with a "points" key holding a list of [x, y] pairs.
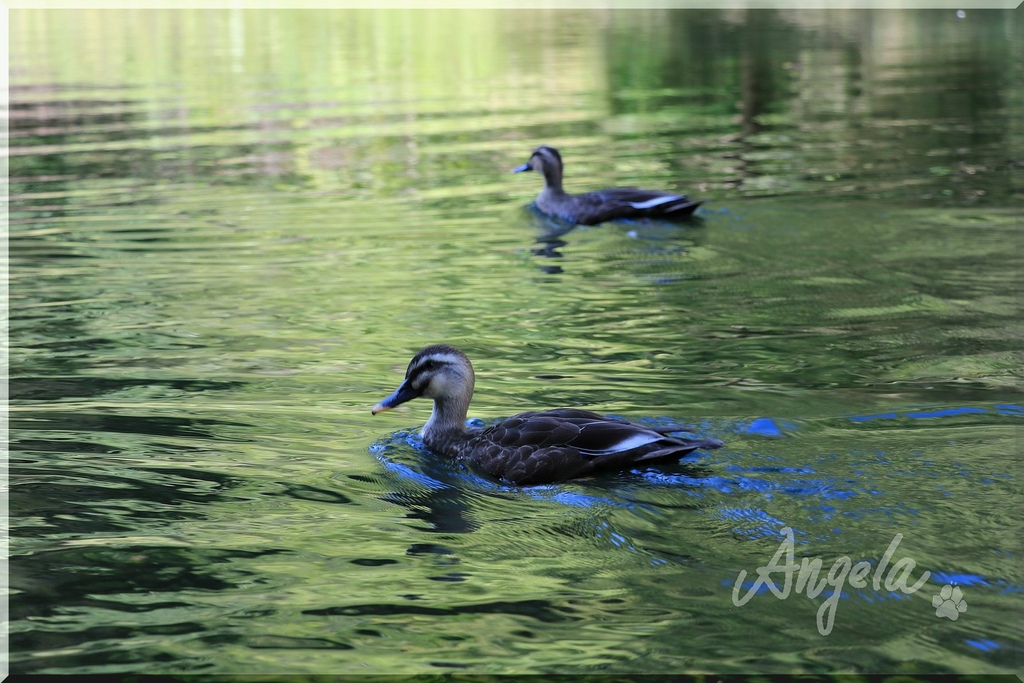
{"points": [[529, 448], [592, 208]]}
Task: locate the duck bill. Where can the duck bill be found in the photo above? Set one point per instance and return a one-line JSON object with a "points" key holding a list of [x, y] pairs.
{"points": [[403, 393], [524, 167]]}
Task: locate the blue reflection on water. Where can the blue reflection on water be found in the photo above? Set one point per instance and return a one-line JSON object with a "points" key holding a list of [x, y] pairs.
{"points": [[557, 494], [1000, 408], [409, 473], [746, 586], [733, 478], [763, 426], [758, 524], [960, 579], [428, 469], [946, 412]]}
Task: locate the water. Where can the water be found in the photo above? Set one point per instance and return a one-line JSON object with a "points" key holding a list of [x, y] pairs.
{"points": [[231, 230]]}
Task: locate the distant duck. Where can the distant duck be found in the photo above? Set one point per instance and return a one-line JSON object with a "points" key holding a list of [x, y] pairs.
{"points": [[596, 207], [528, 448]]}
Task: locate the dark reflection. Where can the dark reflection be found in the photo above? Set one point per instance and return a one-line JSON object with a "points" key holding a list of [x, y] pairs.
{"points": [[766, 45], [430, 488], [149, 425], [549, 247], [53, 501], [304, 492], [46, 327], [55, 581], [53, 389], [276, 642], [71, 505], [446, 510], [541, 610], [72, 656], [37, 121], [551, 230], [64, 499], [65, 331], [428, 549], [59, 582], [192, 161], [688, 65], [40, 122], [818, 101]]}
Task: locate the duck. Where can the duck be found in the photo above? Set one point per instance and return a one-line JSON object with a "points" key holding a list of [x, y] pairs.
{"points": [[536, 447], [600, 206]]}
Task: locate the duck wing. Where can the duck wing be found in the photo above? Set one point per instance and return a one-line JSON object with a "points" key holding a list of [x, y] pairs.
{"points": [[555, 445], [630, 202], [653, 202]]}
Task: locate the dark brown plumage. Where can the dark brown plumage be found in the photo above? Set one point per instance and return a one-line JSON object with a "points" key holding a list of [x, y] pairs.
{"points": [[596, 207], [528, 448]]}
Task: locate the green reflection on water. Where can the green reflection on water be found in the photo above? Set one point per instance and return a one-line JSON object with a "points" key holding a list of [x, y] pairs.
{"points": [[230, 231]]}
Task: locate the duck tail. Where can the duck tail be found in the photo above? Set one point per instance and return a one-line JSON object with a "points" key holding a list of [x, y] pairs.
{"points": [[706, 443], [680, 208]]}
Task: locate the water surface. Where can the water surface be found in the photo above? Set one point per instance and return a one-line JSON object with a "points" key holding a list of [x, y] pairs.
{"points": [[231, 230]]}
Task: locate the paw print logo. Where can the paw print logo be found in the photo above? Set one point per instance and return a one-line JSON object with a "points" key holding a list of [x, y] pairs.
{"points": [[949, 602]]}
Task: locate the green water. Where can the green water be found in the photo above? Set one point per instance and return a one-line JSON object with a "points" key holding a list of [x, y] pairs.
{"points": [[230, 231]]}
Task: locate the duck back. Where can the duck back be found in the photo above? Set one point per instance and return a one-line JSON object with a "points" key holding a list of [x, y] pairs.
{"points": [[556, 445]]}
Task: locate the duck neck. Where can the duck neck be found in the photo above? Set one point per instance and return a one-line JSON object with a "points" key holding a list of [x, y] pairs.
{"points": [[553, 181], [447, 424]]}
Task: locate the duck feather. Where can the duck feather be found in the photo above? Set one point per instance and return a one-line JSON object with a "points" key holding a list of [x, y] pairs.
{"points": [[567, 443], [534, 447], [591, 208]]}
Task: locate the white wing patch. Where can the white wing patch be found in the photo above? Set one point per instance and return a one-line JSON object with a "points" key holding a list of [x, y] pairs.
{"points": [[630, 442], [657, 201]]}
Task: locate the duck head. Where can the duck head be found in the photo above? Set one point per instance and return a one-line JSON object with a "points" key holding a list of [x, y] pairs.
{"points": [[440, 372], [546, 161]]}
